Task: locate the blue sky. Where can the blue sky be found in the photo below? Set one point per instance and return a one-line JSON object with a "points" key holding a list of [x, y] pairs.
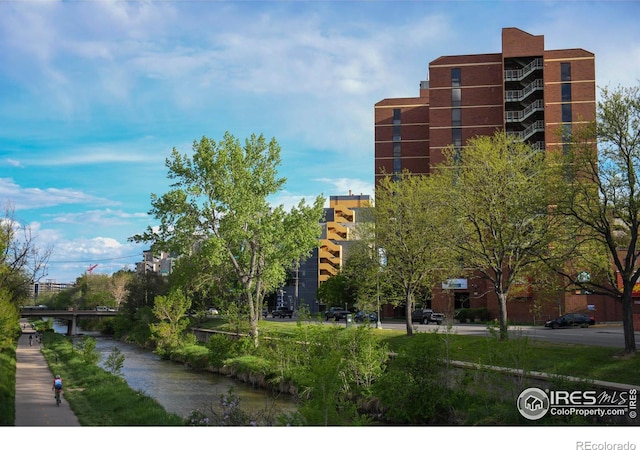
{"points": [[95, 94]]}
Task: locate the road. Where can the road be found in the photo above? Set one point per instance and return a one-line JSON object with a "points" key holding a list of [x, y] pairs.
{"points": [[603, 335]]}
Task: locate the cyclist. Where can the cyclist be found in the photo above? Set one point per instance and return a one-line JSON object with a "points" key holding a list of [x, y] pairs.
{"points": [[57, 386]]}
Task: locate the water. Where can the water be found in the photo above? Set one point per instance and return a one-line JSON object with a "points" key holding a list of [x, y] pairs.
{"points": [[181, 390]]}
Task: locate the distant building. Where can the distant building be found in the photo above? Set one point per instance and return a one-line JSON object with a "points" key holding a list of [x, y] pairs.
{"points": [[338, 228], [47, 287], [160, 263]]}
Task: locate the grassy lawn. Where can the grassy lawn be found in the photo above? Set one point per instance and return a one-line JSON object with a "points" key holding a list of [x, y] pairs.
{"points": [[582, 361]]}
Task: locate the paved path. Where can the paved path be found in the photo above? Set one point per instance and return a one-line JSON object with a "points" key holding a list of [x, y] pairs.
{"points": [[35, 402]]}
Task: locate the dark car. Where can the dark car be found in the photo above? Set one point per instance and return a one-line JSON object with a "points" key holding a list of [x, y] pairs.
{"points": [[571, 320], [362, 316]]}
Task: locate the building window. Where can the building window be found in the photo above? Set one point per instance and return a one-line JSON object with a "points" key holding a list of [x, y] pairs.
{"points": [[566, 112], [456, 117], [396, 132], [565, 71], [396, 116], [456, 97], [566, 92], [455, 77], [456, 137], [397, 157]]}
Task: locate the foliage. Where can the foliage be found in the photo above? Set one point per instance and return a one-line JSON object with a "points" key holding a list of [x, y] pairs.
{"points": [[407, 236], [87, 347], [414, 389], [97, 397], [218, 207], [115, 361], [21, 262], [171, 311], [602, 203], [492, 200], [7, 386], [230, 413]]}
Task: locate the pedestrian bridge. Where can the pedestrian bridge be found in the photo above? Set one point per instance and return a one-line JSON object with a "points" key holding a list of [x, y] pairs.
{"points": [[70, 315]]}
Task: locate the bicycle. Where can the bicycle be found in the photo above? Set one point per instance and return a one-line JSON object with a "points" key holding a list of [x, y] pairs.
{"points": [[58, 401]]}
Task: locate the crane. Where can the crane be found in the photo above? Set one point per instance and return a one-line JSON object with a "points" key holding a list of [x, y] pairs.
{"points": [[90, 270]]}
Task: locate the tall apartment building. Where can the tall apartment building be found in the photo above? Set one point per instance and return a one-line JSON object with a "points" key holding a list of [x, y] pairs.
{"points": [[525, 90]]}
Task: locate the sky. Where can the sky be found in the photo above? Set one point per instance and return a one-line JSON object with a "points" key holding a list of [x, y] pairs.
{"points": [[94, 95]]}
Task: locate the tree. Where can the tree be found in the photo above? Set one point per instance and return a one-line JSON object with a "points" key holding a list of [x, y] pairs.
{"points": [[406, 234], [218, 210], [21, 262], [602, 201], [492, 198], [171, 311]]}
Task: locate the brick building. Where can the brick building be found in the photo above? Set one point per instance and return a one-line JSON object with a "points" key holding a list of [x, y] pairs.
{"points": [[525, 90]]}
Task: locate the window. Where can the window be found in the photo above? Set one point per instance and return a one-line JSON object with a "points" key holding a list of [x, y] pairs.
{"points": [[566, 92], [456, 117], [456, 97], [456, 137], [566, 112], [397, 157], [455, 77], [565, 71], [396, 132], [396, 116]]}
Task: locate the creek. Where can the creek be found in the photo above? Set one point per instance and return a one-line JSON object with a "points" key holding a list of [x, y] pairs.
{"points": [[177, 388]]}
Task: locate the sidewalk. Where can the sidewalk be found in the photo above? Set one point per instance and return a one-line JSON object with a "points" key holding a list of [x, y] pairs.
{"points": [[35, 403]]}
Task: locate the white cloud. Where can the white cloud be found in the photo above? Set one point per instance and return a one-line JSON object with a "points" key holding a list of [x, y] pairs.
{"points": [[33, 198]]}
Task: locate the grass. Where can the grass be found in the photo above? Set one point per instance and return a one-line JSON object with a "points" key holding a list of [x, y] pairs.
{"points": [[582, 361], [7, 385], [97, 397]]}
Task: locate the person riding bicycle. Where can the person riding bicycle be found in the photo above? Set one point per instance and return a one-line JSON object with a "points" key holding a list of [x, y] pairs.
{"points": [[57, 384]]}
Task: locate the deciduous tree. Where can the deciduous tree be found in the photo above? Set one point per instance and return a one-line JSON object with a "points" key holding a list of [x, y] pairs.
{"points": [[406, 236], [492, 198], [218, 208], [602, 201]]}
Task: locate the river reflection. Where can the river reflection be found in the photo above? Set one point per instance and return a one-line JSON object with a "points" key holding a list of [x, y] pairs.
{"points": [[179, 389]]}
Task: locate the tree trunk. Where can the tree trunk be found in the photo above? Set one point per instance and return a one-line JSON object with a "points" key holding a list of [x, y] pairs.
{"points": [[409, 307], [627, 322], [502, 316]]}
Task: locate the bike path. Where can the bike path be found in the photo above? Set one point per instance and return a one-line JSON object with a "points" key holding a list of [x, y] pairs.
{"points": [[35, 402]]}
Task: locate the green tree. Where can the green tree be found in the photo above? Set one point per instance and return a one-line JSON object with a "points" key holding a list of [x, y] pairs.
{"points": [[492, 199], [218, 209], [405, 235], [603, 201], [171, 311], [21, 262]]}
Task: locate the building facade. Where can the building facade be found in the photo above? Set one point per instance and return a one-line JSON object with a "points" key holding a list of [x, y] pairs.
{"points": [[525, 90], [338, 229]]}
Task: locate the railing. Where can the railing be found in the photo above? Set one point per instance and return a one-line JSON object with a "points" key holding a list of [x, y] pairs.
{"points": [[519, 116], [516, 96], [538, 125], [519, 74]]}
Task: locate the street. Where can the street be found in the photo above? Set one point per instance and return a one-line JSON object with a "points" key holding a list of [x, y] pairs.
{"points": [[603, 335]]}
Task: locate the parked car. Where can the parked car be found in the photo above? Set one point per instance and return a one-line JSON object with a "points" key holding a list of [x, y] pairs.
{"points": [[282, 312], [571, 320], [336, 313], [426, 315], [212, 311], [362, 316]]}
